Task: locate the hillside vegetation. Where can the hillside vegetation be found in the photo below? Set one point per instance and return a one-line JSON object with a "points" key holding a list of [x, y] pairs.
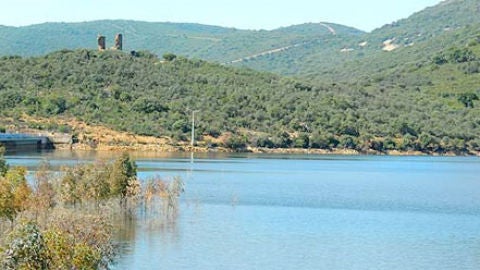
{"points": [[323, 51], [409, 85], [419, 36], [144, 95], [206, 42]]}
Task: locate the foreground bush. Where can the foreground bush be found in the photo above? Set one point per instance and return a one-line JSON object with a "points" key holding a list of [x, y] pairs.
{"points": [[66, 221]]}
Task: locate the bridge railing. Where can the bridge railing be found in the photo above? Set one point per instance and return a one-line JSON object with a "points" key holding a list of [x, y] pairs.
{"points": [[18, 136]]}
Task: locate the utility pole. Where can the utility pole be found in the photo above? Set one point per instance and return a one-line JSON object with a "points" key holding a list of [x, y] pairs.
{"points": [[192, 142], [35, 79]]}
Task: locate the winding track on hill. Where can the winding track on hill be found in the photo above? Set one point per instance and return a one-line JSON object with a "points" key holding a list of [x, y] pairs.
{"points": [[277, 50]]}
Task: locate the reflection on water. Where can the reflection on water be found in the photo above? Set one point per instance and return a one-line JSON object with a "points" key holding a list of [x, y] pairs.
{"points": [[246, 211], [134, 235]]}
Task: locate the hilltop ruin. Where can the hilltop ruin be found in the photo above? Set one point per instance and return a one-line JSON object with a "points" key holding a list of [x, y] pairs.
{"points": [[101, 42], [117, 46], [118, 42]]}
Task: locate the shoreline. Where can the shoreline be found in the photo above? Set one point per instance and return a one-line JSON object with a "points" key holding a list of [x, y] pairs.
{"points": [[100, 138], [166, 148]]}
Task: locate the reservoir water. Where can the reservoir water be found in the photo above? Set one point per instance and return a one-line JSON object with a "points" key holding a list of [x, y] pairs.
{"points": [[306, 212]]}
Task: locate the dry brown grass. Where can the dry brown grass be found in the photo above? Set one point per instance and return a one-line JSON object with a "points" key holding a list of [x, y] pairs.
{"points": [[101, 137]]}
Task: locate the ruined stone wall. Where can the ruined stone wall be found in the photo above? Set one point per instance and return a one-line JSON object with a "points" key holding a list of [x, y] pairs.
{"points": [[118, 42], [117, 46], [101, 42]]}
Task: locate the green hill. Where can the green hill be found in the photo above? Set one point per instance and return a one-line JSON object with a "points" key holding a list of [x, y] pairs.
{"points": [[144, 95], [421, 35], [190, 40], [409, 85], [323, 51]]}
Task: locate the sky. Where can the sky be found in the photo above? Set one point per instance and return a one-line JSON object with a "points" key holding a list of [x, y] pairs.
{"points": [[242, 14]]}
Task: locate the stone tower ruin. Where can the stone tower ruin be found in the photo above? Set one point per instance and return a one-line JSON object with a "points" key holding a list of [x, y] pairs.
{"points": [[117, 46], [101, 42], [118, 42]]}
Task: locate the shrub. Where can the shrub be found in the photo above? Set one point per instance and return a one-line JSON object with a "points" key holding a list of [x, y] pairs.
{"points": [[14, 193], [470, 67], [320, 141], [347, 142], [389, 144], [236, 142], [265, 142], [25, 249], [302, 141], [78, 237], [169, 57], [467, 99]]}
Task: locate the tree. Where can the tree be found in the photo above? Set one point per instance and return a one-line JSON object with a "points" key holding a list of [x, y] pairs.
{"points": [[389, 144], [97, 177], [377, 145], [3, 162], [148, 105], [7, 209], [44, 193], [425, 142], [457, 55], [408, 142], [14, 193], [56, 105], [20, 189], [302, 141], [236, 142], [319, 141], [284, 140], [347, 142], [124, 171], [26, 249], [405, 129], [69, 193], [440, 59], [169, 57], [264, 141], [467, 99]]}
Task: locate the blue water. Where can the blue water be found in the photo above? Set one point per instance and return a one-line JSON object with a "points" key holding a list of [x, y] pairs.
{"points": [[310, 212]]}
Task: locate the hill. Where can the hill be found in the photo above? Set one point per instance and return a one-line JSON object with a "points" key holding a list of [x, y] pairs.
{"points": [[320, 51], [144, 95], [190, 40], [409, 85], [422, 35]]}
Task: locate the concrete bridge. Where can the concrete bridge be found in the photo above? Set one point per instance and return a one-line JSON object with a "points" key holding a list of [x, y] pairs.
{"points": [[24, 142]]}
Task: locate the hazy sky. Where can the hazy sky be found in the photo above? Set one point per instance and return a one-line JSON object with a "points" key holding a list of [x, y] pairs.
{"points": [[242, 14]]}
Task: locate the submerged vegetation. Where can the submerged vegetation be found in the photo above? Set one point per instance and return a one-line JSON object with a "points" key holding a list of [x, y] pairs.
{"points": [[66, 220]]}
